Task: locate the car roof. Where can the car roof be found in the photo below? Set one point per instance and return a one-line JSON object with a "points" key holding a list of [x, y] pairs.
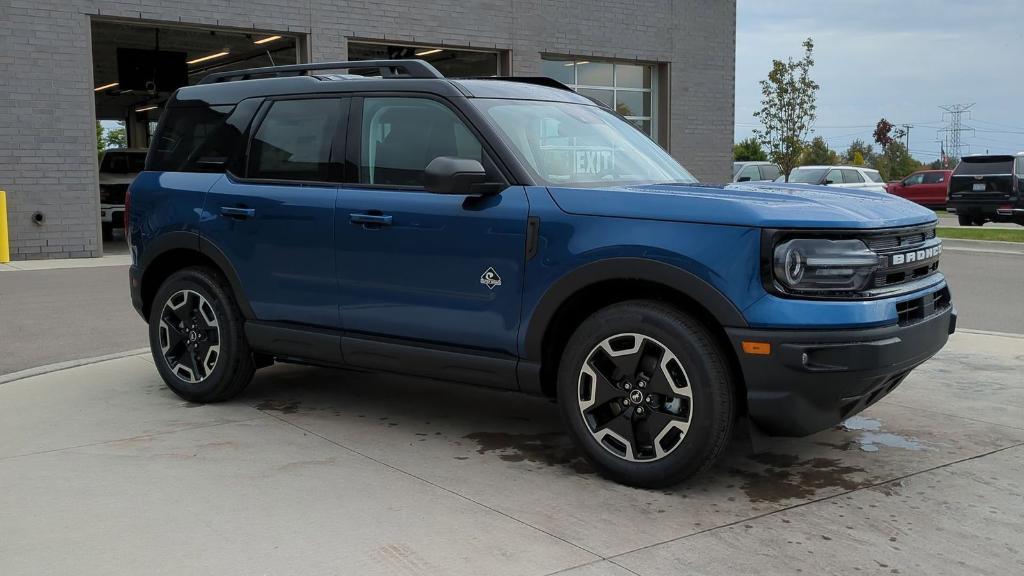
{"points": [[824, 167], [229, 88]]}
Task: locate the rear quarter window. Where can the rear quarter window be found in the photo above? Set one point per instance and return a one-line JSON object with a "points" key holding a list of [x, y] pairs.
{"points": [[873, 176], [199, 138]]}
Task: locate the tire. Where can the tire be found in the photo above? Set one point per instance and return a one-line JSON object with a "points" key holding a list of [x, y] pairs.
{"points": [[193, 313], [600, 398], [979, 221], [965, 220]]}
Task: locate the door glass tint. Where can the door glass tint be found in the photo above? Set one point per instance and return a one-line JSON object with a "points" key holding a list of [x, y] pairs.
{"points": [[913, 180], [294, 141], [934, 177], [834, 177], [400, 136], [852, 177], [187, 133]]}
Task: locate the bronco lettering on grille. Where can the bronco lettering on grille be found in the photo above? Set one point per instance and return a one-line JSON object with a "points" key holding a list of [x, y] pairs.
{"points": [[916, 255]]}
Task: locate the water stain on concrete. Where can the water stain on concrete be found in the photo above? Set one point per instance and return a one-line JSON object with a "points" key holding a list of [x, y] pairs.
{"points": [[787, 477], [279, 405], [547, 448], [871, 437]]}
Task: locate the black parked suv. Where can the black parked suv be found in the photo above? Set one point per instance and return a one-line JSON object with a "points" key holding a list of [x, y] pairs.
{"points": [[988, 188]]}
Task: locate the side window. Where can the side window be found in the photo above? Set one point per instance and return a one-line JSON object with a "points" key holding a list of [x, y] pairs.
{"points": [[400, 136], [834, 177], [770, 172], [914, 179], [750, 173], [1020, 166], [934, 178], [198, 138], [294, 141], [852, 176]]}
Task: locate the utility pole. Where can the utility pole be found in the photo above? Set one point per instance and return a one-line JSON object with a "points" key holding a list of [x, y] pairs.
{"points": [[954, 114], [906, 132]]}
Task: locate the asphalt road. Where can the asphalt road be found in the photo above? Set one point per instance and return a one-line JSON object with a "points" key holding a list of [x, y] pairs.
{"points": [[49, 316]]}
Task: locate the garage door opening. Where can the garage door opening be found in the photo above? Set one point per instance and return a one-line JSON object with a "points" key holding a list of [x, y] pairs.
{"points": [[136, 68], [452, 62]]}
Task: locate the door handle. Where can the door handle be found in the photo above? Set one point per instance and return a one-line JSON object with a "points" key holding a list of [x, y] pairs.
{"points": [[375, 220], [239, 213]]}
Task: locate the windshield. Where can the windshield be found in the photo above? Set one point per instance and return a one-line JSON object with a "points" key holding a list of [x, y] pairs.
{"points": [[807, 175], [578, 145]]}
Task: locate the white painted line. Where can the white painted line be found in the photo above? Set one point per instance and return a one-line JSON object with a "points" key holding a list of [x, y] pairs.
{"points": [[65, 263], [990, 333], [982, 250], [40, 370]]}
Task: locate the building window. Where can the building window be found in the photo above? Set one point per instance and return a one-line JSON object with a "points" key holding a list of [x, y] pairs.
{"points": [[631, 89], [453, 63]]}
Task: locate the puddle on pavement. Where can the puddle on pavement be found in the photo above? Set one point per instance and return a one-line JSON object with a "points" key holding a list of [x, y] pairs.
{"points": [[548, 448], [787, 477], [870, 436]]}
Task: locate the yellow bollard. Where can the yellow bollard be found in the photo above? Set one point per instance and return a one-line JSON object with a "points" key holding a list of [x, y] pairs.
{"points": [[5, 245]]}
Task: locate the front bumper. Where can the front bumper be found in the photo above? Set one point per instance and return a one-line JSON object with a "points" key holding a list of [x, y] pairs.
{"points": [[814, 379], [112, 215]]}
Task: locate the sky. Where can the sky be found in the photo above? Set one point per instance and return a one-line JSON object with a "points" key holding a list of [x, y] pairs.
{"points": [[897, 59]]}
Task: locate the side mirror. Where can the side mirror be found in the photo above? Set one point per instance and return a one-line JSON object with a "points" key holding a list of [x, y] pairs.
{"points": [[744, 179], [452, 175], [828, 182]]}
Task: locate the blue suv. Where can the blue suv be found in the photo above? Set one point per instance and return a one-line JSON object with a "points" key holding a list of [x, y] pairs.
{"points": [[511, 233]]}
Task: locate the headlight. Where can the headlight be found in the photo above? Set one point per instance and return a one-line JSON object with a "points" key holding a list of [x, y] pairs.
{"points": [[809, 265]]}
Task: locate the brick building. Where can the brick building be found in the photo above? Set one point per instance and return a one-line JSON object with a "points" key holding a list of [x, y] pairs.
{"points": [[668, 65]]}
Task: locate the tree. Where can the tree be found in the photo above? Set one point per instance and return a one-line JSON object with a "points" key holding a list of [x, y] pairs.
{"points": [[117, 137], [788, 108], [859, 153], [818, 153], [882, 133], [99, 136], [748, 150], [896, 162]]}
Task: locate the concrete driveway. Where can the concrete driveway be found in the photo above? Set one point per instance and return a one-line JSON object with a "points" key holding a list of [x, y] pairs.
{"points": [[313, 471]]}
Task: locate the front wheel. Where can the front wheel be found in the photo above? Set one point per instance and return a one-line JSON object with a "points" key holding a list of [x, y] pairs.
{"points": [[196, 337], [646, 393]]}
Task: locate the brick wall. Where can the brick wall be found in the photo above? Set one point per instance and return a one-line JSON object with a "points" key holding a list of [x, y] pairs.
{"points": [[47, 130]]}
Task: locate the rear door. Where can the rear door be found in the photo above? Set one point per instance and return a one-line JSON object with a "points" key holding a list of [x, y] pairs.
{"points": [[834, 178], [769, 172], [435, 269], [274, 218], [853, 179]]}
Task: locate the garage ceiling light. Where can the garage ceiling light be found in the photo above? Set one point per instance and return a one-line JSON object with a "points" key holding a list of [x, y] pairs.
{"points": [[210, 57], [578, 63], [147, 108], [104, 87], [267, 39], [428, 52]]}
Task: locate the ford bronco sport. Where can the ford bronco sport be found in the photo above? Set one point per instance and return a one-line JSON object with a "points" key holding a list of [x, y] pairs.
{"points": [[513, 234]]}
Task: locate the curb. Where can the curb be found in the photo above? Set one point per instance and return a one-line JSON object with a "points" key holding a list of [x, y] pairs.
{"points": [[58, 366], [990, 333]]}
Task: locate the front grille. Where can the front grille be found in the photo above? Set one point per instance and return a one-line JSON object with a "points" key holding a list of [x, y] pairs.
{"points": [[894, 248], [899, 239], [913, 311]]}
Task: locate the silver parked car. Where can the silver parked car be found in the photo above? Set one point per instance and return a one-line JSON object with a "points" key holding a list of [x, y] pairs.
{"points": [[754, 171]]}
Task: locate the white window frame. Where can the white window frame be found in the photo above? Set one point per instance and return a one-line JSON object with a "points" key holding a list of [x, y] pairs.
{"points": [[653, 90]]}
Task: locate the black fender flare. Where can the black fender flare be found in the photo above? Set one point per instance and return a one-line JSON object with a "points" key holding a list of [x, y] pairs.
{"points": [[190, 240], [682, 281]]}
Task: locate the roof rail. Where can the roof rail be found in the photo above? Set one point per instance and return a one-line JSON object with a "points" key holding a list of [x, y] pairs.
{"points": [[388, 69], [538, 80]]}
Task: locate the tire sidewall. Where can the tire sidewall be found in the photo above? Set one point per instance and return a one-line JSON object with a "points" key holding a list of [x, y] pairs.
{"points": [[200, 282], [707, 374]]}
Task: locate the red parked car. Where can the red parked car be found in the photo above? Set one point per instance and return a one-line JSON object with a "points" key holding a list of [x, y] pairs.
{"points": [[927, 187]]}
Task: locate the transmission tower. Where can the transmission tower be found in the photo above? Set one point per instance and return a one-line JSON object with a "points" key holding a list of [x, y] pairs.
{"points": [[952, 135]]}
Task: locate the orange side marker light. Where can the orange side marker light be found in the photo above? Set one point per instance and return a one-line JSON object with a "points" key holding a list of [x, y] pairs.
{"points": [[757, 348]]}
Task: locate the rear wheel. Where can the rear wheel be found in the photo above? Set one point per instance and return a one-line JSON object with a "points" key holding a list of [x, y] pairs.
{"points": [[196, 337], [646, 393], [965, 220]]}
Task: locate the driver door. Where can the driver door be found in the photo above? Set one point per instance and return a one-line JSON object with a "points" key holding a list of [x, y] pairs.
{"points": [[414, 266]]}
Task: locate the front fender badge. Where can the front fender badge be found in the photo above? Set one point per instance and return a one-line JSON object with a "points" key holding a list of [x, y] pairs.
{"points": [[490, 278]]}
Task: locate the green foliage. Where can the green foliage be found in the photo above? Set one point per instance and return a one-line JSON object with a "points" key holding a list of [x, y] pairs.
{"points": [[859, 153], [896, 162], [99, 136], [748, 150], [117, 138], [817, 153], [788, 108]]}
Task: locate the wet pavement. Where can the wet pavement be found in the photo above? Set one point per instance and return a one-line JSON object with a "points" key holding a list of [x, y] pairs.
{"points": [[316, 471]]}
